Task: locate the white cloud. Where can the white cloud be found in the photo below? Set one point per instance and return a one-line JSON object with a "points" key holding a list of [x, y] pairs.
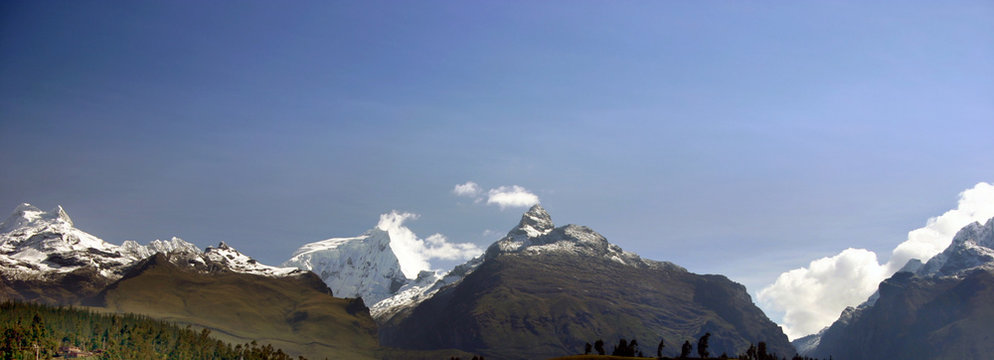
{"points": [[511, 196], [813, 297], [469, 189], [503, 196], [439, 247], [413, 253]]}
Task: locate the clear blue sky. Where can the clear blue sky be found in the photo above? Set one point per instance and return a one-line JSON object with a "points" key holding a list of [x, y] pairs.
{"points": [[743, 138]]}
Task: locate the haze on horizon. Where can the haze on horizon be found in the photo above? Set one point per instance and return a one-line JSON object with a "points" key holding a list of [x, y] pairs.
{"points": [[743, 139]]}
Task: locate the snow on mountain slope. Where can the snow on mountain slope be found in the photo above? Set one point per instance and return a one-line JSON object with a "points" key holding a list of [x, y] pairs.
{"points": [[362, 266], [235, 261], [35, 244], [175, 245], [424, 287], [971, 248]]}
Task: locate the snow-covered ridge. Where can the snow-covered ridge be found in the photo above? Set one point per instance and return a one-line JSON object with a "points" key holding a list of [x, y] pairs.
{"points": [[971, 248], [36, 244], [423, 288], [235, 261], [362, 266]]}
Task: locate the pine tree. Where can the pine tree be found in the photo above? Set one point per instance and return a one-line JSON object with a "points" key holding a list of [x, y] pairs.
{"points": [[686, 349], [702, 346]]}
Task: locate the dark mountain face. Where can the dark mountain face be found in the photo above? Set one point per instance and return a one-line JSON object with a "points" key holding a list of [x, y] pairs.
{"points": [[550, 293], [59, 289], [942, 310], [919, 318]]}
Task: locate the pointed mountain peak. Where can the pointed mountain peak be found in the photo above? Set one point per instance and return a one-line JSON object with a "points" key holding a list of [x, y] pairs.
{"points": [[60, 214], [27, 214], [223, 246], [22, 215], [536, 222]]}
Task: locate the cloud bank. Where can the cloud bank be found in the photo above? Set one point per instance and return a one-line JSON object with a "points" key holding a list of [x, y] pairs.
{"points": [[414, 253], [504, 196], [811, 298]]}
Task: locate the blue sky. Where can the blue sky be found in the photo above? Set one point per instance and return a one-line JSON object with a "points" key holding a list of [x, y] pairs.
{"points": [[742, 138]]}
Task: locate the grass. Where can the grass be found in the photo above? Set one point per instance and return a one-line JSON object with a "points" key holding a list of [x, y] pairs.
{"points": [[295, 315]]}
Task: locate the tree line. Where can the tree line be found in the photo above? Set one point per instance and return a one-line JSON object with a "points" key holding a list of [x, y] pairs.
{"points": [[30, 330], [631, 349]]}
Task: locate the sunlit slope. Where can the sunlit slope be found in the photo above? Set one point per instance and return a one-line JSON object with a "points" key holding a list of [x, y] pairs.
{"points": [[297, 314]]}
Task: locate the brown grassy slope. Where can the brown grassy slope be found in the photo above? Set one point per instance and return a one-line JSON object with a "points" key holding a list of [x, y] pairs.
{"points": [[296, 314]]}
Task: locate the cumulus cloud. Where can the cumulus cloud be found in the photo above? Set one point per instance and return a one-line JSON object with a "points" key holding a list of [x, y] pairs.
{"points": [[511, 196], [503, 196], [414, 253], [813, 297], [469, 189]]}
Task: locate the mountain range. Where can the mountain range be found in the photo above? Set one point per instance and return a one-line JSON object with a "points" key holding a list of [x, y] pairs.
{"points": [[44, 258], [540, 291]]}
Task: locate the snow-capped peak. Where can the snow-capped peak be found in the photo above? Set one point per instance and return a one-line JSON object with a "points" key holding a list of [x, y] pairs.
{"points": [[535, 222], [362, 266], [972, 247], [34, 243], [536, 234], [29, 215]]}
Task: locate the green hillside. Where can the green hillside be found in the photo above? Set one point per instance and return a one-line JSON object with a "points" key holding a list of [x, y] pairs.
{"points": [[106, 336]]}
